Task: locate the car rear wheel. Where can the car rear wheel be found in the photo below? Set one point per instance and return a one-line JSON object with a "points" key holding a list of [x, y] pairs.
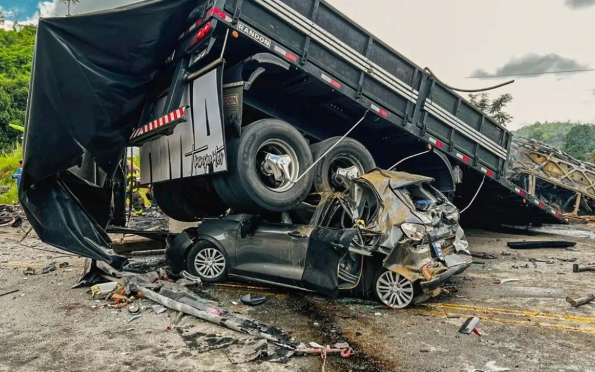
{"points": [[346, 154], [393, 290], [254, 183], [207, 262]]}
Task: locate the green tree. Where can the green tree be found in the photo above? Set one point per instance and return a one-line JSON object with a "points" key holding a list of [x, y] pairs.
{"points": [[580, 141], [494, 108], [16, 53], [553, 134]]}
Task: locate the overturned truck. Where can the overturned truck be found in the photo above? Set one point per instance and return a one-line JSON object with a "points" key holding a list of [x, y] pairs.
{"points": [[243, 106], [564, 182]]}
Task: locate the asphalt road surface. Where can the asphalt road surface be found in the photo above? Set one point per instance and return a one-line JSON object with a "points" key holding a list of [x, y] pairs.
{"points": [[526, 325]]}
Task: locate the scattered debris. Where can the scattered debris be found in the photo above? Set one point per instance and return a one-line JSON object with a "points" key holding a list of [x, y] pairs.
{"points": [[540, 244], [49, 268], [580, 301], [63, 264], [132, 319], [252, 300], [158, 309], [186, 275], [492, 367], [29, 271], [502, 281], [548, 262], [9, 292], [576, 268], [469, 326], [506, 254], [483, 255], [133, 309], [564, 259], [103, 289]]}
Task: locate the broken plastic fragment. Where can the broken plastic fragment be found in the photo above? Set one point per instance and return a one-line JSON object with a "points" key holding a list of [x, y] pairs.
{"points": [[502, 281], [252, 300], [158, 309]]}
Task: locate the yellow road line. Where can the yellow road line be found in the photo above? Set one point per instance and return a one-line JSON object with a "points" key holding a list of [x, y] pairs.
{"points": [[527, 323], [517, 313]]}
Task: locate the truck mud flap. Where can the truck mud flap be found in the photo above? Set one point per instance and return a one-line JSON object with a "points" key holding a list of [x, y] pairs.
{"points": [[197, 145], [326, 249]]}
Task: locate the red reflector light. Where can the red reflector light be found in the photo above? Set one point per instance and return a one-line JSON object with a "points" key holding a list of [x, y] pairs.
{"points": [[557, 214], [291, 57], [522, 192], [489, 173], [218, 12], [385, 114], [541, 204], [201, 33], [466, 159]]}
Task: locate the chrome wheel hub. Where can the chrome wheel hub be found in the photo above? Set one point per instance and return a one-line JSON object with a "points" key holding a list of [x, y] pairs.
{"points": [[394, 290], [210, 263]]}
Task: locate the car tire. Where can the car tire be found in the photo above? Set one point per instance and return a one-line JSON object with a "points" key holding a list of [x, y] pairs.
{"points": [[347, 153], [254, 190], [392, 289], [188, 200], [207, 262]]}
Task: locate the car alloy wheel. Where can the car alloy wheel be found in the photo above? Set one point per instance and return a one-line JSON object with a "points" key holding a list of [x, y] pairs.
{"points": [[394, 290], [210, 263]]}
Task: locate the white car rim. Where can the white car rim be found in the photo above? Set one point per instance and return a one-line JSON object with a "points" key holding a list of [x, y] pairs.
{"points": [[209, 263], [394, 290]]}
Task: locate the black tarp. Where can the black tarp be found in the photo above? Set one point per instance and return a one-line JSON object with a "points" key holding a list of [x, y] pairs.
{"points": [[89, 78]]}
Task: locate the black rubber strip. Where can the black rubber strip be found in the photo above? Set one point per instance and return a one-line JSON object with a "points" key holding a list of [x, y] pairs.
{"points": [[540, 244]]}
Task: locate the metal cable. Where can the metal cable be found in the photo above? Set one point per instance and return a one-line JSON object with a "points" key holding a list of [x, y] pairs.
{"points": [[427, 70], [407, 158], [474, 196], [329, 150]]}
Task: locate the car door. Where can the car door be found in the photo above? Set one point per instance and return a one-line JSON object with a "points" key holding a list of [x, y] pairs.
{"points": [[274, 253]]}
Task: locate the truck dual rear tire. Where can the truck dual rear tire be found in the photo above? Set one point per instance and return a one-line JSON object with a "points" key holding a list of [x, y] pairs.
{"points": [[347, 153], [249, 185]]}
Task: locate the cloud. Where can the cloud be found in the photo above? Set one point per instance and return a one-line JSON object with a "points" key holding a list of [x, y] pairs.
{"points": [[532, 65], [579, 4]]}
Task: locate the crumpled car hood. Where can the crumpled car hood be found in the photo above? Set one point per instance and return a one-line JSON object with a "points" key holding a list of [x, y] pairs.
{"points": [[380, 204]]}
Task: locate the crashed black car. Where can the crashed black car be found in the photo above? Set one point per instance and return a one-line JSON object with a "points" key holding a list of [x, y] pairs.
{"points": [[390, 235]]}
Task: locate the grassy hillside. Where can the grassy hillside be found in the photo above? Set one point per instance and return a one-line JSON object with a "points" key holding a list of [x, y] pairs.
{"points": [[553, 134]]}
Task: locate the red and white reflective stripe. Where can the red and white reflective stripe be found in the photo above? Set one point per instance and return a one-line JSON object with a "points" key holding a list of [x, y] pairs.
{"points": [[290, 56], [219, 14], [157, 123], [380, 111], [521, 192], [539, 203], [556, 213], [439, 144], [464, 158], [488, 172], [331, 81]]}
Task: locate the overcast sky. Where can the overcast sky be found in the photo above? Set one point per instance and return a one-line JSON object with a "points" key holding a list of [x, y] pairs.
{"points": [[462, 38]]}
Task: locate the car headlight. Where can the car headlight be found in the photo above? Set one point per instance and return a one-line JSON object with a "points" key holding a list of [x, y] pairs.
{"points": [[414, 231]]}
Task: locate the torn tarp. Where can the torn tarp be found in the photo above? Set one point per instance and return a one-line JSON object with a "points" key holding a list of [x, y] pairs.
{"points": [[89, 79]]}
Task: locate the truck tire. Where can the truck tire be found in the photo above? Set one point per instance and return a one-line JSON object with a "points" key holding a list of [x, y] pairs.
{"points": [[188, 200], [255, 189], [231, 195], [347, 153]]}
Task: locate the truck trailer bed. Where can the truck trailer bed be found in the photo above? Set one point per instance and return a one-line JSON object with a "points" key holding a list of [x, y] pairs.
{"points": [[327, 46]]}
